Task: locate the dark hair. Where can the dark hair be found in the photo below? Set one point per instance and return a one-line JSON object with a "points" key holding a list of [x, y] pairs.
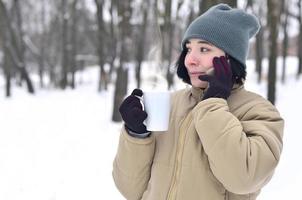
{"points": [[182, 71], [238, 69]]}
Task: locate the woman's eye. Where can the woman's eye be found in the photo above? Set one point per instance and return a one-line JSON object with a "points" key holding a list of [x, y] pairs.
{"points": [[202, 49]]}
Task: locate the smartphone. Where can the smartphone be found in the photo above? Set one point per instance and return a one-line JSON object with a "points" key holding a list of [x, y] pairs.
{"points": [[210, 71]]}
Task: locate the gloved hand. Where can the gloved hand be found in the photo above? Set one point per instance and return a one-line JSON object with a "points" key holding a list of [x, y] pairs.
{"points": [[221, 83], [132, 112]]}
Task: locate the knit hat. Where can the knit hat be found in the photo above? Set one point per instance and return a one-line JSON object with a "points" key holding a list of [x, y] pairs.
{"points": [[227, 28]]}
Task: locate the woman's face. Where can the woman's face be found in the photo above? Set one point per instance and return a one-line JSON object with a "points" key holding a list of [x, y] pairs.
{"points": [[199, 59]]}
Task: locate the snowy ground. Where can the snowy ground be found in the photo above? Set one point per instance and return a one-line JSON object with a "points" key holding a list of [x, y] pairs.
{"points": [[59, 145]]}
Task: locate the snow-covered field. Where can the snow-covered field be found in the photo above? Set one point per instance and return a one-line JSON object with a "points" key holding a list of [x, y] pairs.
{"points": [[59, 145]]}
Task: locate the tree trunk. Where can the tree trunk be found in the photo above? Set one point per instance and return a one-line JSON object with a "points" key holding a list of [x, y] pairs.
{"points": [[65, 55], [299, 40], [14, 43], [74, 49], [25, 76], [204, 5], [54, 59], [285, 39], [168, 36], [101, 39], [18, 39], [121, 84], [232, 3], [42, 46], [7, 65], [172, 29], [140, 50], [192, 15], [7, 72], [113, 41], [21, 46], [259, 54], [259, 46], [7, 80], [273, 14], [119, 92]]}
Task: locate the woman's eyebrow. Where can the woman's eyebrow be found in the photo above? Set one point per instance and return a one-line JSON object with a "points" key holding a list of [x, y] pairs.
{"points": [[200, 42], [204, 42]]}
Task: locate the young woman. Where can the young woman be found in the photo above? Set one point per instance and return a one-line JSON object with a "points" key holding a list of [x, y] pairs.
{"points": [[223, 142]]}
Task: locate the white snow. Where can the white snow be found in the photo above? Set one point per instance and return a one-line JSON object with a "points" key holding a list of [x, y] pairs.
{"points": [[60, 145]]}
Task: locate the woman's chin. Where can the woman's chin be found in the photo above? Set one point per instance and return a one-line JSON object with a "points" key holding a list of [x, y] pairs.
{"points": [[199, 84]]}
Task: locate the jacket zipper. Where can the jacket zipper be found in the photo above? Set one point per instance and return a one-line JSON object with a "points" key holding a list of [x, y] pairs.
{"points": [[178, 158]]}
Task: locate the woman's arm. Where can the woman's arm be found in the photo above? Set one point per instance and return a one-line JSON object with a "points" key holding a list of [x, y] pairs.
{"points": [[242, 154], [132, 165]]}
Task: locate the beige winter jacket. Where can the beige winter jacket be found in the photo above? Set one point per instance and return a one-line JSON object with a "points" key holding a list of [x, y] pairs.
{"points": [[214, 150]]}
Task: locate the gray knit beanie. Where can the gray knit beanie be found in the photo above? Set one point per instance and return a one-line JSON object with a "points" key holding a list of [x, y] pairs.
{"points": [[227, 28]]}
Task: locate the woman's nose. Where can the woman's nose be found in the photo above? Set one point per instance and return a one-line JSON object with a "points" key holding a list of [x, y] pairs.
{"points": [[192, 59]]}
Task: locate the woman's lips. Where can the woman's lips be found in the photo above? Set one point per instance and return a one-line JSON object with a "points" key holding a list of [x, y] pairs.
{"points": [[196, 73]]}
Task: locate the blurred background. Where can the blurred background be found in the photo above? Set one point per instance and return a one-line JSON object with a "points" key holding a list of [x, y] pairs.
{"points": [[66, 65]]}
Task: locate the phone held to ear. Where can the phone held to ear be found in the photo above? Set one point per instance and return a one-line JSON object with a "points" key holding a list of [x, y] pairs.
{"points": [[210, 71]]}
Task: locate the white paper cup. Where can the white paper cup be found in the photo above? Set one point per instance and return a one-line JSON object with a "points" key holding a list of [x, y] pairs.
{"points": [[157, 105]]}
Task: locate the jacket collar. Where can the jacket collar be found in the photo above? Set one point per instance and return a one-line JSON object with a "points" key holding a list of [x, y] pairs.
{"points": [[197, 93]]}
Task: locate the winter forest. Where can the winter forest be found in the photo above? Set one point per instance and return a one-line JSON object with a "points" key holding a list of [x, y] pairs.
{"points": [[55, 41], [66, 66]]}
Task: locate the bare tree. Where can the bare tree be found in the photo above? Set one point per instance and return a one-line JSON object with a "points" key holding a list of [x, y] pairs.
{"points": [[54, 48], [299, 17], [103, 77], [121, 84], [7, 65], [14, 43], [206, 4], [42, 44], [19, 33], [285, 15], [74, 46], [178, 22], [192, 14], [258, 9], [259, 46], [65, 55], [273, 20], [69, 27], [112, 51], [167, 40], [232, 3], [141, 43]]}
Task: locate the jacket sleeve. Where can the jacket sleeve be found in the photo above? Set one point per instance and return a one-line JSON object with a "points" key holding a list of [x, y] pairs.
{"points": [[132, 165], [242, 154]]}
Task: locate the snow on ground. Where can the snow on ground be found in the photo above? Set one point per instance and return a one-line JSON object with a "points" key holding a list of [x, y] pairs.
{"points": [[59, 145]]}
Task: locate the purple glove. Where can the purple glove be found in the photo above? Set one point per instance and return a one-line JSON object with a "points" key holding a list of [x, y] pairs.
{"points": [[221, 83], [132, 112]]}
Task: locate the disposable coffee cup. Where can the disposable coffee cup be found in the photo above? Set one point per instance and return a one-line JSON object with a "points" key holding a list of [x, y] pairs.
{"points": [[157, 105]]}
